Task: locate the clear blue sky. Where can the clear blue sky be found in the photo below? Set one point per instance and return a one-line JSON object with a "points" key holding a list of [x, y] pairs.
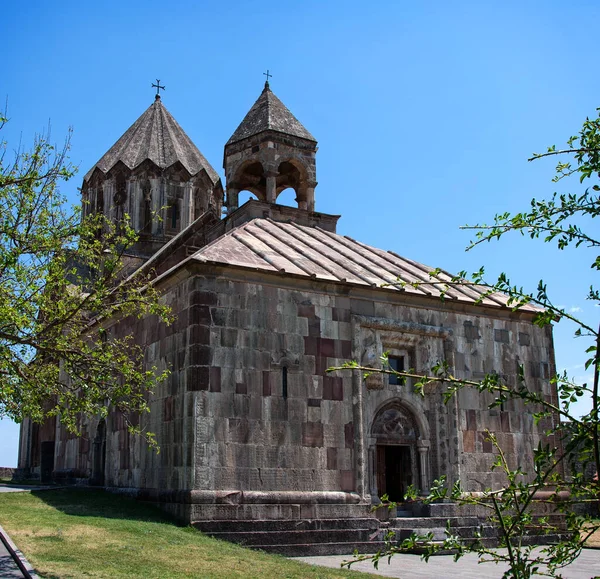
{"points": [[425, 112]]}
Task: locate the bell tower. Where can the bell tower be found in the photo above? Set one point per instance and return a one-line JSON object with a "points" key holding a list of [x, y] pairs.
{"points": [[270, 151]]}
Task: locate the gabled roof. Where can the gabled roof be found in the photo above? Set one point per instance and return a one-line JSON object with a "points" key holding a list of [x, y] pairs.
{"points": [[268, 113], [270, 246], [155, 136]]}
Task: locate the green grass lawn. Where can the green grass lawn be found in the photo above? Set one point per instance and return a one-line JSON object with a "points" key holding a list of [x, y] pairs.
{"points": [[73, 533]]}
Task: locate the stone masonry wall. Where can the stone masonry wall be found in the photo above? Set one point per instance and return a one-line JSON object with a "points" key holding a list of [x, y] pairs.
{"points": [[252, 433], [250, 413]]}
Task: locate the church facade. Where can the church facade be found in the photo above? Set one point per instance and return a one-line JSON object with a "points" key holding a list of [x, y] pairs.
{"points": [[251, 425]]}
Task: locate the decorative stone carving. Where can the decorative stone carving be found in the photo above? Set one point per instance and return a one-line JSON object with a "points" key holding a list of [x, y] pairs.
{"points": [[394, 423]]}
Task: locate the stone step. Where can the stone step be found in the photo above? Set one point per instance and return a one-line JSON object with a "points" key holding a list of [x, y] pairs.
{"points": [[420, 522], [404, 513], [222, 526], [314, 549], [277, 538], [439, 533], [304, 537], [453, 510], [491, 540]]}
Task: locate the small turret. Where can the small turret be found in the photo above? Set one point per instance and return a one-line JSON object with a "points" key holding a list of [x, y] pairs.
{"points": [[270, 151]]}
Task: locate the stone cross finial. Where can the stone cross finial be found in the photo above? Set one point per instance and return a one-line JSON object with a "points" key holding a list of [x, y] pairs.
{"points": [[158, 88], [268, 77]]}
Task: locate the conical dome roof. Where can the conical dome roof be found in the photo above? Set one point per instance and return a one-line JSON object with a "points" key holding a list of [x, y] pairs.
{"points": [[156, 136], [269, 113]]}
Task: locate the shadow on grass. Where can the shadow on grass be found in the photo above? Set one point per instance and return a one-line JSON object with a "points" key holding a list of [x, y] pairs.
{"points": [[85, 502]]}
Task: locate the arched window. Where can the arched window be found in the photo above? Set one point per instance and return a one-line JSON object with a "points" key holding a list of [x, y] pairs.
{"points": [[244, 196], [287, 197]]}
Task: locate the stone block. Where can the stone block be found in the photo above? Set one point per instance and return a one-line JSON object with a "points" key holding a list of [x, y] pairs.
{"points": [[215, 379], [200, 314], [218, 316], [471, 419], [486, 444], [229, 338], [524, 339], [314, 327], [311, 345], [306, 310], [333, 388], [199, 355], [501, 336], [202, 297], [349, 435], [313, 414], [345, 331], [468, 441], [197, 378], [168, 409], [362, 307], [312, 434], [347, 480], [266, 383], [340, 314]]}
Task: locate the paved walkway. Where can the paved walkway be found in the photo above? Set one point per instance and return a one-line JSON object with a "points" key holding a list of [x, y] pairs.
{"points": [[20, 489], [587, 566], [8, 567]]}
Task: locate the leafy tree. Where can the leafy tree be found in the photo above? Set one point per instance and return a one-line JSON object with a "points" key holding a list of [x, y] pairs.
{"points": [[61, 283], [556, 481]]}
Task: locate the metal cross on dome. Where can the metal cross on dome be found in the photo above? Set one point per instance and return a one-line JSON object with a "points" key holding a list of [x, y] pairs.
{"points": [[158, 87], [268, 77]]}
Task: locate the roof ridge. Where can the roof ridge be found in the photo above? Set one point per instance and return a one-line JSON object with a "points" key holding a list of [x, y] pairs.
{"points": [[269, 104], [160, 134]]}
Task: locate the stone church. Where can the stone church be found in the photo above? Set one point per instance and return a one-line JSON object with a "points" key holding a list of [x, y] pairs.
{"points": [[252, 428]]}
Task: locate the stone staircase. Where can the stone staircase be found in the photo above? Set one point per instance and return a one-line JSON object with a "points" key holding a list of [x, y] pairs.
{"points": [[307, 537], [469, 526], [297, 538]]}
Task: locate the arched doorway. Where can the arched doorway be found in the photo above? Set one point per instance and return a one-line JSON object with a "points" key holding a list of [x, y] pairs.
{"points": [[399, 453]]}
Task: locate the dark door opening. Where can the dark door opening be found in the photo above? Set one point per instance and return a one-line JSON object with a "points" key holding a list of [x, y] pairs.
{"points": [[46, 461], [394, 471], [99, 455]]}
